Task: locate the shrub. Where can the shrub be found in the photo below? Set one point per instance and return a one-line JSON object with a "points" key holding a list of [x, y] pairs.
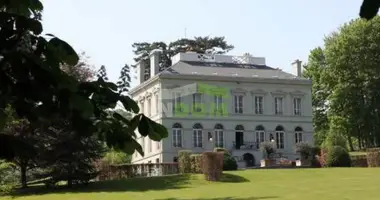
{"points": [[196, 163], [8, 180], [229, 163], [184, 162], [268, 149], [335, 139], [305, 150], [114, 157], [212, 165], [338, 156], [359, 161], [373, 157]]}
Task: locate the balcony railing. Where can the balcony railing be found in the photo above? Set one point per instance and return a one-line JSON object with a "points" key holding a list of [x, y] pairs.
{"points": [[246, 145]]}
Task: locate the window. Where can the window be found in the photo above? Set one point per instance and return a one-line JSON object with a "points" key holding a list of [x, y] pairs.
{"points": [[142, 107], [177, 135], [239, 104], [149, 107], [218, 100], [219, 136], [143, 143], [297, 106], [197, 135], [197, 102], [158, 145], [298, 135], [177, 101], [260, 135], [157, 160], [157, 104], [278, 103], [259, 104], [280, 137], [150, 145]]}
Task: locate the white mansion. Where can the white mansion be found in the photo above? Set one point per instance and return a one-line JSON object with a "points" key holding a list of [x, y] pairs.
{"points": [[234, 102]]}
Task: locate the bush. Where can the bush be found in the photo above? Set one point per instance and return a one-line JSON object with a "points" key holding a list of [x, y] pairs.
{"points": [[373, 157], [338, 156], [335, 139], [305, 150], [184, 162], [8, 180], [229, 163], [268, 149], [114, 157], [359, 161], [212, 165], [196, 163]]}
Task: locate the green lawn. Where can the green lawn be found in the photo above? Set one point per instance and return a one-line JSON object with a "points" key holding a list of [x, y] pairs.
{"points": [[285, 184]]}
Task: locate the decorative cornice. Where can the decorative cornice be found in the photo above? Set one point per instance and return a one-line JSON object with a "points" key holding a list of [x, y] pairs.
{"points": [[148, 95], [141, 98], [239, 91], [156, 90], [259, 91], [278, 93], [297, 93]]}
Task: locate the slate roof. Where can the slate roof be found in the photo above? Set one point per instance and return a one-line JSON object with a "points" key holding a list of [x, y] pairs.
{"points": [[227, 69]]}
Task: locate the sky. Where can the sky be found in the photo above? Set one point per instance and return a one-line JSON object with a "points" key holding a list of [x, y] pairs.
{"points": [[279, 30]]}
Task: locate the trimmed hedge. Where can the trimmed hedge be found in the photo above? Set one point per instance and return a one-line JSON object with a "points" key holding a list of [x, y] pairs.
{"points": [[212, 165], [196, 163], [373, 157], [359, 161], [229, 163], [338, 156], [184, 162]]}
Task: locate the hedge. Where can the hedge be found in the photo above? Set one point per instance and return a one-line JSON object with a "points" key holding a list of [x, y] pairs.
{"points": [[196, 163], [359, 161], [184, 162], [212, 165], [373, 157]]}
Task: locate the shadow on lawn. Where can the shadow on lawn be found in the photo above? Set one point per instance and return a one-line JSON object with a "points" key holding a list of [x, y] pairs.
{"points": [[227, 198], [135, 184], [232, 178]]}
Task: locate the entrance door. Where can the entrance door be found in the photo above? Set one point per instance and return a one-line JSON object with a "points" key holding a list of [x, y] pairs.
{"points": [[239, 139]]}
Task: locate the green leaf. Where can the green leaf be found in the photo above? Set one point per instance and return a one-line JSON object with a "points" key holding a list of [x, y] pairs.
{"points": [[135, 122], [3, 119], [64, 51], [82, 104], [160, 129], [144, 127], [129, 104]]}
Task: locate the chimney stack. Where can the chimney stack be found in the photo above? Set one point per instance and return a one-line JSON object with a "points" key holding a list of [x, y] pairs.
{"points": [[297, 68], [154, 62], [140, 67]]}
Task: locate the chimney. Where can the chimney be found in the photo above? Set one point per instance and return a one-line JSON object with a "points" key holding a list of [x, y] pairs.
{"points": [[297, 68], [140, 67], [154, 62]]}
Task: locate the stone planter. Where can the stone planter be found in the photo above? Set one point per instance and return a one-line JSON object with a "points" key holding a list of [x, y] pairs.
{"points": [[266, 163]]}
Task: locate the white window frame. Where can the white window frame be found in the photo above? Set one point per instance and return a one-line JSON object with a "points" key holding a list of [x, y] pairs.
{"points": [[149, 102], [280, 143], [177, 141], [297, 106], [142, 106], [260, 136], [259, 106], [279, 106], [298, 136], [177, 99], [143, 144], [239, 103], [218, 101], [158, 145], [219, 138], [197, 102], [150, 145], [157, 104], [197, 138]]}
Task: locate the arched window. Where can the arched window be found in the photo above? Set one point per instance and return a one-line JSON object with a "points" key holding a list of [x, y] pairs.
{"points": [[197, 135], [239, 128], [177, 135], [260, 135], [219, 136], [280, 137], [298, 134]]}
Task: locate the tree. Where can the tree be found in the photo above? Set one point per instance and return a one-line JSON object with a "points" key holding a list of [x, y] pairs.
{"points": [[124, 80], [215, 45], [34, 85], [102, 73], [83, 71]]}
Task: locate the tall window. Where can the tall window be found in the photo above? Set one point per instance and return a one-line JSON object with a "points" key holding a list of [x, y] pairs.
{"points": [[197, 135], [298, 134], [218, 100], [177, 135], [280, 137], [278, 105], [219, 136], [197, 102], [158, 145], [260, 135], [149, 107], [297, 106], [177, 100], [150, 145], [143, 143], [238, 104], [157, 104], [142, 107], [259, 105]]}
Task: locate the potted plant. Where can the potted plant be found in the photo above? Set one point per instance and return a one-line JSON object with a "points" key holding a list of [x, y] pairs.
{"points": [[268, 149], [305, 151]]}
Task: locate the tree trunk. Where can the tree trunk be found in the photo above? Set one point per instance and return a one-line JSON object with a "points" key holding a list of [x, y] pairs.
{"points": [[350, 143], [70, 176], [23, 175]]}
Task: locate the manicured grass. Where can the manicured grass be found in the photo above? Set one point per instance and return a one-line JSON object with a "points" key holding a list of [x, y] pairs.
{"points": [[283, 184]]}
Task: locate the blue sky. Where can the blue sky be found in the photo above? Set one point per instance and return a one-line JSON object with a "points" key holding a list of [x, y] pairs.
{"points": [[280, 30]]}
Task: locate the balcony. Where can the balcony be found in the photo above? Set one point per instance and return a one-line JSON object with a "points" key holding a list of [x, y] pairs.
{"points": [[246, 145]]}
